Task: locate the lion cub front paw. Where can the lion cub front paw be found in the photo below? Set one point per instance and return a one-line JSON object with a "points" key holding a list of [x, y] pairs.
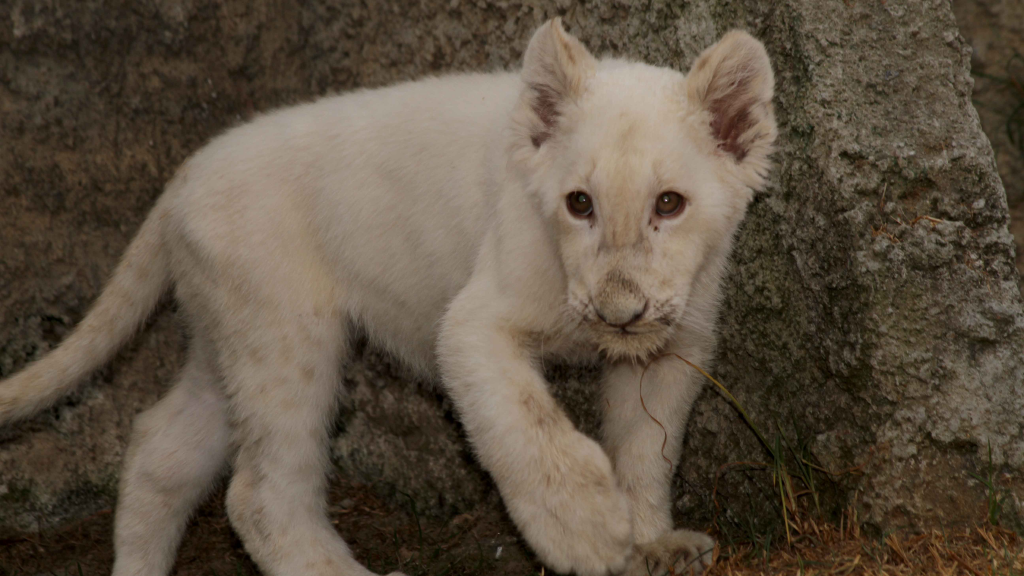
{"points": [[676, 553], [576, 519]]}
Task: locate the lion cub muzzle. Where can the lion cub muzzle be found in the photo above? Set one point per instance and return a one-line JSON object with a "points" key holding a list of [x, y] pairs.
{"points": [[619, 302]]}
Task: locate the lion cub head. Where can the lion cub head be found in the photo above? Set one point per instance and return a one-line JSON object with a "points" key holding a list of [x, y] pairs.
{"points": [[644, 175]]}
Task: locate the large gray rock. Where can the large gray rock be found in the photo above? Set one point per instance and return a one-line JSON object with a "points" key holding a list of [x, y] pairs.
{"points": [[872, 313], [874, 308]]}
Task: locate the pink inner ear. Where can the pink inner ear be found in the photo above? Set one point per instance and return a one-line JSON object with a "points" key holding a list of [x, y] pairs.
{"points": [[545, 106], [729, 122], [731, 85]]}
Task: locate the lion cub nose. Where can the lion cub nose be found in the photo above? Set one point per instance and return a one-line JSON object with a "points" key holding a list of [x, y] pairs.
{"points": [[621, 301], [621, 317]]}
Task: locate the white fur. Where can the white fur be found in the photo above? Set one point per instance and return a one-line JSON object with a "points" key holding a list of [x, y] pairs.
{"points": [[433, 214]]}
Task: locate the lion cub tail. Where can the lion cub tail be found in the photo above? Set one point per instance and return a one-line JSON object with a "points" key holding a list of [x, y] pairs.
{"points": [[135, 289]]}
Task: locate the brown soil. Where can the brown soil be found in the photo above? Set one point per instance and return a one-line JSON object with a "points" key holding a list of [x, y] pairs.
{"points": [[389, 537], [384, 537]]}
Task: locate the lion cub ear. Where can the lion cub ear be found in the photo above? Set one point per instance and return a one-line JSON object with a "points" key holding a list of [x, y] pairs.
{"points": [[733, 82], [555, 69]]}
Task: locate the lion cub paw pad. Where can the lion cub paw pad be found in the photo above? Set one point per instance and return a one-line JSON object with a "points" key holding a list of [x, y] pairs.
{"points": [[677, 553]]}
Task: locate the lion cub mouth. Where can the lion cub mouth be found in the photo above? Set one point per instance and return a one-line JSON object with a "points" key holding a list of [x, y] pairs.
{"points": [[637, 342]]}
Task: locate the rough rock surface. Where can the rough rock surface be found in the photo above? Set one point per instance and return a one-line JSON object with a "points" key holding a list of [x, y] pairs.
{"points": [[872, 314]]}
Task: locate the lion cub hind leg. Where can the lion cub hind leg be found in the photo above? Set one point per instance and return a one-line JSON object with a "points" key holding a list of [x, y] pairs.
{"points": [[677, 553], [281, 377], [179, 448]]}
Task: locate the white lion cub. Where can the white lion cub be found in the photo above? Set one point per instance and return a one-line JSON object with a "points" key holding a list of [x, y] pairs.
{"points": [[469, 224]]}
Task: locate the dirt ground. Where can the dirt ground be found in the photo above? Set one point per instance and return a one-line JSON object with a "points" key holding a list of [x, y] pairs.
{"points": [[394, 537], [384, 537]]}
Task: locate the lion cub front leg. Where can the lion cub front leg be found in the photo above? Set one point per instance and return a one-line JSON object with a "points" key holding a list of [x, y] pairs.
{"points": [[645, 456], [558, 484]]}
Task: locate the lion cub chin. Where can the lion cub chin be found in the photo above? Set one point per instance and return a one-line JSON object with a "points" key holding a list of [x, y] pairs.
{"points": [[469, 224]]}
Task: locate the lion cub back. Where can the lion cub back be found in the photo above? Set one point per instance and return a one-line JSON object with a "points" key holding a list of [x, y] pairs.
{"points": [[377, 199]]}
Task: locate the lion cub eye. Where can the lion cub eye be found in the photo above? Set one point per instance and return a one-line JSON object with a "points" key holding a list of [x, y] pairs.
{"points": [[579, 204], [669, 204]]}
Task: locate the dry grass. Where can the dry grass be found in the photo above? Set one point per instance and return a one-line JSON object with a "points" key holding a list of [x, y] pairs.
{"points": [[829, 550]]}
